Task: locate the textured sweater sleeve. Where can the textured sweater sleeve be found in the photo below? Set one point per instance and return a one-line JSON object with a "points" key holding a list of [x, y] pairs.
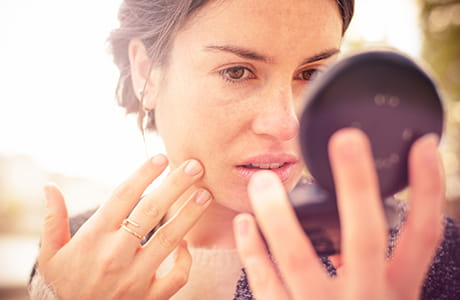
{"points": [[443, 280], [38, 289]]}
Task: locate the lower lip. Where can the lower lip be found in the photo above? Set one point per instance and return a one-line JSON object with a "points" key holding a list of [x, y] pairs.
{"points": [[284, 173]]}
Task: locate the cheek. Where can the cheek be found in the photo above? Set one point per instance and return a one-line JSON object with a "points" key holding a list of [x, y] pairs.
{"points": [[193, 125]]}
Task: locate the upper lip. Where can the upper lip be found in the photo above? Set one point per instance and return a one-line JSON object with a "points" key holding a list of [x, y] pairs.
{"points": [[270, 159]]}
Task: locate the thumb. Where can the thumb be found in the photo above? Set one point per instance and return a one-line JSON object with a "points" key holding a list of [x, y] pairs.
{"points": [[56, 231]]}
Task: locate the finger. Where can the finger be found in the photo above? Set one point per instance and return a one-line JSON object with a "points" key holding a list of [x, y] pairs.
{"points": [[125, 197], [262, 274], [294, 254], [168, 285], [165, 240], [56, 232], [423, 227], [151, 209], [362, 220]]}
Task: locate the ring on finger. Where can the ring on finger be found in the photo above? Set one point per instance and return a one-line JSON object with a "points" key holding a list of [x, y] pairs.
{"points": [[127, 222]]}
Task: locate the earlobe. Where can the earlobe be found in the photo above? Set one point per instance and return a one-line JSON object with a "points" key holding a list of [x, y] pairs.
{"points": [[141, 73]]}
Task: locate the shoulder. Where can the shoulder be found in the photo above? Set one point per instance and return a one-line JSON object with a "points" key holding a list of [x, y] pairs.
{"points": [[443, 279]]}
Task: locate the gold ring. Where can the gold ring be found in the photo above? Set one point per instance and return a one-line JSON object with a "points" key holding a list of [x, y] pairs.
{"points": [[124, 225]]}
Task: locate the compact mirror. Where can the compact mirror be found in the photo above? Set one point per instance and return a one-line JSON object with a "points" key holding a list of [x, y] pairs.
{"points": [[391, 99]]}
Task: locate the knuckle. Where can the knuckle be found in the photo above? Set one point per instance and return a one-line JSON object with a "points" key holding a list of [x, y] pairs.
{"points": [[427, 235], [125, 288], [49, 221], [121, 292], [175, 179], [180, 277], [109, 264], [124, 192], [165, 240], [372, 246], [178, 178], [294, 263], [151, 209], [370, 242], [252, 265]]}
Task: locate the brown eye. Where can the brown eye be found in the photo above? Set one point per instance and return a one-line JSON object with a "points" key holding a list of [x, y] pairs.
{"points": [[235, 73], [309, 74]]}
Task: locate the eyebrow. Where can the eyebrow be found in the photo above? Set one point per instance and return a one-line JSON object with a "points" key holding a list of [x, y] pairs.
{"points": [[249, 54], [320, 56]]}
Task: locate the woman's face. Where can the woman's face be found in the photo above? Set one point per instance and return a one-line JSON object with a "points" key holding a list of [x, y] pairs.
{"points": [[234, 81]]}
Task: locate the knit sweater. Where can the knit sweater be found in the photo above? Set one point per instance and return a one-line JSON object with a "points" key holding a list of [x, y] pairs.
{"points": [[441, 283]]}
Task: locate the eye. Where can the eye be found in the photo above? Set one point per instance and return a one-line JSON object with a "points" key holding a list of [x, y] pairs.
{"points": [[238, 73], [309, 74]]}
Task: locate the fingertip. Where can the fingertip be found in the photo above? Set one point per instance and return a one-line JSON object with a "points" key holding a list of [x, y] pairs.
{"points": [[262, 181], [202, 197], [159, 160], [431, 139], [241, 224], [246, 233], [49, 187], [425, 153], [347, 133], [265, 187], [54, 201], [193, 167], [183, 244], [56, 231], [52, 194], [182, 251], [426, 146], [347, 142]]}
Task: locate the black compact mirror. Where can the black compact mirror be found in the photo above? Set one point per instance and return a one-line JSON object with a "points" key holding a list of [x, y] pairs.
{"points": [[391, 99]]}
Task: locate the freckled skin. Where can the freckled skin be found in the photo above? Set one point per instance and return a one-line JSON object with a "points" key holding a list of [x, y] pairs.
{"points": [[201, 112]]}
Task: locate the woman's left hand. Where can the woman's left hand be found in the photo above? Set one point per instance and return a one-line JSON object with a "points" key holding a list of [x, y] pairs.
{"points": [[366, 272]]}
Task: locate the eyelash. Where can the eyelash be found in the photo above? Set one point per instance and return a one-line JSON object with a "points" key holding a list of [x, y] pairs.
{"points": [[248, 74], [312, 73]]}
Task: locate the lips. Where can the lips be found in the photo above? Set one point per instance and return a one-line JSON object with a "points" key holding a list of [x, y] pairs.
{"points": [[281, 164]]}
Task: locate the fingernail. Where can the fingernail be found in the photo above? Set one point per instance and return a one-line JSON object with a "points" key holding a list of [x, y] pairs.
{"points": [[46, 191], [430, 144], [192, 168], [263, 180], [242, 225], [183, 244], [430, 138], [202, 197], [159, 160], [348, 142]]}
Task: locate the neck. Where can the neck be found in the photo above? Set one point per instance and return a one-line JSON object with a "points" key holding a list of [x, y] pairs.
{"points": [[214, 229]]}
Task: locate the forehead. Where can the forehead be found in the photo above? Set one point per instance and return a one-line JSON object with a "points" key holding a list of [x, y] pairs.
{"points": [[266, 25]]}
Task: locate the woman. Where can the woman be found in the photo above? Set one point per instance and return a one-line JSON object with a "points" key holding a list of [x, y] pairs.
{"points": [[221, 81]]}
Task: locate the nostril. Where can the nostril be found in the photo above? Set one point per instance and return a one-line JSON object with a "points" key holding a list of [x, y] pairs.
{"points": [[290, 129], [277, 124]]}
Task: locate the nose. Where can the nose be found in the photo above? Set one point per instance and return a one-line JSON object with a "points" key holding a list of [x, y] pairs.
{"points": [[276, 116]]}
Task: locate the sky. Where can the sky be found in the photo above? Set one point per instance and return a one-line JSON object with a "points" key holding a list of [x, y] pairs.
{"points": [[57, 82]]}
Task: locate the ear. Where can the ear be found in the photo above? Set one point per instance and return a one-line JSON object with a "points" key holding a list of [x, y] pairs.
{"points": [[143, 78]]}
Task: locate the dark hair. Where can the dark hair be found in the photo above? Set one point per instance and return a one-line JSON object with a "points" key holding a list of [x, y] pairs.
{"points": [[155, 22]]}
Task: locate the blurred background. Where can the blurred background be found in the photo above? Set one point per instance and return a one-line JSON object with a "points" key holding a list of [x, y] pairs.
{"points": [[59, 121]]}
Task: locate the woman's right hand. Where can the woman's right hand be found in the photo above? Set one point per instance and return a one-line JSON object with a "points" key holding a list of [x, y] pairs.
{"points": [[105, 260]]}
